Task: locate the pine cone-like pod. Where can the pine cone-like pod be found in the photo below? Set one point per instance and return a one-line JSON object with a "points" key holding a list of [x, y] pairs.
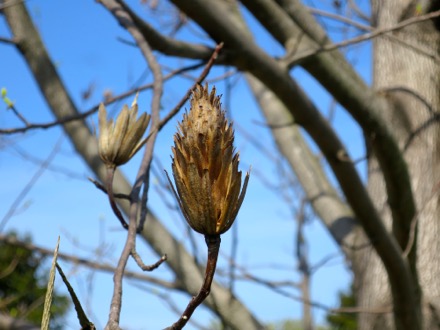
{"points": [[205, 166]]}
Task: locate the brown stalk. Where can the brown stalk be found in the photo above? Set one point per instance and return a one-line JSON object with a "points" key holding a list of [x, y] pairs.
{"points": [[111, 196], [213, 243]]}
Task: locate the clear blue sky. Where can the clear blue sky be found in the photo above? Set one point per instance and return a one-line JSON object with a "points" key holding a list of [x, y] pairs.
{"points": [[81, 38]]}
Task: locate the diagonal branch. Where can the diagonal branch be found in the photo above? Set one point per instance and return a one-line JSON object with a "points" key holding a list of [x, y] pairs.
{"points": [[298, 58], [87, 262], [340, 79], [94, 109], [335, 213]]}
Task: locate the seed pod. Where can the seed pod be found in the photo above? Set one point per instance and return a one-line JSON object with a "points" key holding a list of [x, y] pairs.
{"points": [[205, 166], [119, 142]]}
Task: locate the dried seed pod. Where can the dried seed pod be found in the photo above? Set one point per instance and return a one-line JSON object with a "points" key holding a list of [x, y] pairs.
{"points": [[119, 142], [205, 166]]}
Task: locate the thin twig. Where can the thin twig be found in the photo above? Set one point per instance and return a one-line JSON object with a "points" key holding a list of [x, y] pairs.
{"points": [[202, 76], [133, 91], [362, 310], [18, 114], [102, 188], [145, 267], [358, 11], [111, 197], [413, 228], [292, 60], [87, 262], [30, 184], [343, 19], [27, 156], [93, 109]]}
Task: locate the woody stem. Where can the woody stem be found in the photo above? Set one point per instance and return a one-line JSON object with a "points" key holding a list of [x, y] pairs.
{"points": [[213, 243], [111, 196]]}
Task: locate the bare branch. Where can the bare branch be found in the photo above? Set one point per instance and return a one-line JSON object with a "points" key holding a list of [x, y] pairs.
{"points": [[30, 184], [92, 110], [87, 262], [18, 114], [163, 43], [202, 76], [104, 189], [343, 19], [145, 267]]}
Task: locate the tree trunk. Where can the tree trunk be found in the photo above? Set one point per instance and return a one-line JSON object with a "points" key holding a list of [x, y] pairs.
{"points": [[410, 78]]}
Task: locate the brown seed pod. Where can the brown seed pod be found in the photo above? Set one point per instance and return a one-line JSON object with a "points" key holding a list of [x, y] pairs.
{"points": [[205, 166]]}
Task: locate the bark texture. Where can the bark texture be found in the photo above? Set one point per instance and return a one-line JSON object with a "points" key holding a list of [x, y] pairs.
{"points": [[410, 80]]}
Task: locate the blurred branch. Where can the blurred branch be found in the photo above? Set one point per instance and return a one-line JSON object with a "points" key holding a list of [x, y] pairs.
{"points": [[67, 119], [171, 46], [202, 76], [358, 11], [65, 171], [8, 41], [18, 114], [104, 189], [160, 42], [303, 264], [137, 203], [340, 18], [27, 188], [86, 262], [297, 58], [326, 202]]}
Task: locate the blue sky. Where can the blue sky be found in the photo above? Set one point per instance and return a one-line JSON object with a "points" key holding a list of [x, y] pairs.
{"points": [[64, 203]]}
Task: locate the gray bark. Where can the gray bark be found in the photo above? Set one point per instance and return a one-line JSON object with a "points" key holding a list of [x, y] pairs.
{"points": [[410, 80]]}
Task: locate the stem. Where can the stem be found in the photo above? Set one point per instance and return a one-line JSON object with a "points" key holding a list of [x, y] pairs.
{"points": [[213, 243], [111, 196], [116, 303]]}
